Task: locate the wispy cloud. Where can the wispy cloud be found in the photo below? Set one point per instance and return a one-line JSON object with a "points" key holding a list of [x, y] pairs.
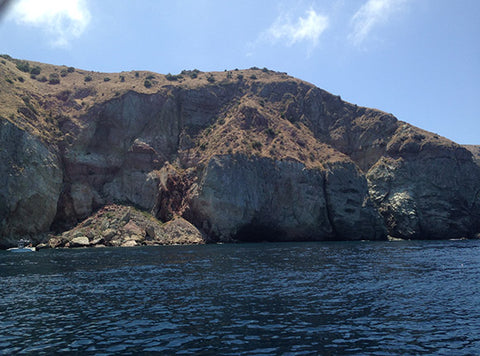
{"points": [[370, 15], [63, 20], [304, 29]]}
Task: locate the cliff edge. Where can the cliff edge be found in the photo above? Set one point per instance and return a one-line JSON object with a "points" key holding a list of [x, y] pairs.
{"points": [[241, 155]]}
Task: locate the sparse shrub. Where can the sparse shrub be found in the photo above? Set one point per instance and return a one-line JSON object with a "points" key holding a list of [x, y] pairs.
{"points": [[33, 76], [54, 78], [265, 70], [122, 78], [172, 77], [88, 78], [270, 132], [147, 83], [21, 79], [221, 121], [257, 145], [211, 78], [42, 79], [23, 66], [253, 76], [137, 74], [255, 68], [151, 76], [229, 75], [3, 61], [70, 69], [240, 76], [203, 146], [35, 70], [63, 72], [106, 79]]}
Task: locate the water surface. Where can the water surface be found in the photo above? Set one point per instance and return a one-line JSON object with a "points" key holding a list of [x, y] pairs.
{"points": [[260, 299]]}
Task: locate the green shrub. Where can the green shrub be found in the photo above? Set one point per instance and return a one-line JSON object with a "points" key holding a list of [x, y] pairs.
{"points": [[240, 77], [21, 79], [9, 80], [70, 69], [211, 79], [270, 132], [63, 72], [54, 78], [137, 74], [35, 70], [172, 77], [253, 76], [23, 66], [122, 78], [88, 78], [42, 79], [147, 83], [106, 79], [150, 77], [257, 145]]}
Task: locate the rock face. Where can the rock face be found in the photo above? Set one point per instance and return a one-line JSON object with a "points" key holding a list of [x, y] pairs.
{"points": [[263, 199], [31, 180], [230, 156]]}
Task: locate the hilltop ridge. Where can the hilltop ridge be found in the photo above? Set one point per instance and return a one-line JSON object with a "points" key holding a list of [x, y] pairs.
{"points": [[241, 154]]}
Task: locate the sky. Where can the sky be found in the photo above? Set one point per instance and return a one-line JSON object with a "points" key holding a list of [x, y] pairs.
{"points": [[416, 59]]}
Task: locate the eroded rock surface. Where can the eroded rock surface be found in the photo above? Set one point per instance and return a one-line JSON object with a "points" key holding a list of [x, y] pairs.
{"points": [[117, 225], [238, 155]]}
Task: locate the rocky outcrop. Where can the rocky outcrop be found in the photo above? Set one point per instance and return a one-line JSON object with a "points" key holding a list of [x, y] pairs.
{"points": [[433, 193], [230, 156], [242, 198], [116, 225], [31, 180]]}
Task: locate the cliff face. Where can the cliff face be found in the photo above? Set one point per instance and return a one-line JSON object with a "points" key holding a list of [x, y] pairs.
{"points": [[242, 155]]}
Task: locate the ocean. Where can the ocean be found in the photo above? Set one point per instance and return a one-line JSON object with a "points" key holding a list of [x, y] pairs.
{"points": [[372, 298]]}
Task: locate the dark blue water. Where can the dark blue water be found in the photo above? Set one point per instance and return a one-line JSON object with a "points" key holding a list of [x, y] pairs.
{"points": [[257, 299]]}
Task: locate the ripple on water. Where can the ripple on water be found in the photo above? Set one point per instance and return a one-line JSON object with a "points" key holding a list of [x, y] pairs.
{"points": [[259, 299]]}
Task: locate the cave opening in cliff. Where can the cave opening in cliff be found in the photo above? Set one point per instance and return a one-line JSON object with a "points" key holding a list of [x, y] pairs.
{"points": [[255, 232]]}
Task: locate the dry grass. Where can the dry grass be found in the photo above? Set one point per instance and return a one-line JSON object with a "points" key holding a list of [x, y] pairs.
{"points": [[250, 123]]}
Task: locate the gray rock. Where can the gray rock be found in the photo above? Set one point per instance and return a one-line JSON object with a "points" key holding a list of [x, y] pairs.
{"points": [[81, 241], [260, 198], [30, 183]]}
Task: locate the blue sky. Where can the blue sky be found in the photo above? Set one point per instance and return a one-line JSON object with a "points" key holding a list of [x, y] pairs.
{"points": [[417, 59]]}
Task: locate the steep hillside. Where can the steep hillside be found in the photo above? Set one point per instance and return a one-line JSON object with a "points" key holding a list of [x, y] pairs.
{"points": [[242, 155]]}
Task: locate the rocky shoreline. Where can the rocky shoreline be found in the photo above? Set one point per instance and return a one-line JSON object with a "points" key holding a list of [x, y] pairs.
{"points": [[124, 226]]}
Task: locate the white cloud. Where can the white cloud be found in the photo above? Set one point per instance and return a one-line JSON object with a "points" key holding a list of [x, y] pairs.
{"points": [[370, 15], [63, 20], [308, 28]]}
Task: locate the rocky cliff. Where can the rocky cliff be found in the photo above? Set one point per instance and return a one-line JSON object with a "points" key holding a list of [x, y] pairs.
{"points": [[237, 155]]}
